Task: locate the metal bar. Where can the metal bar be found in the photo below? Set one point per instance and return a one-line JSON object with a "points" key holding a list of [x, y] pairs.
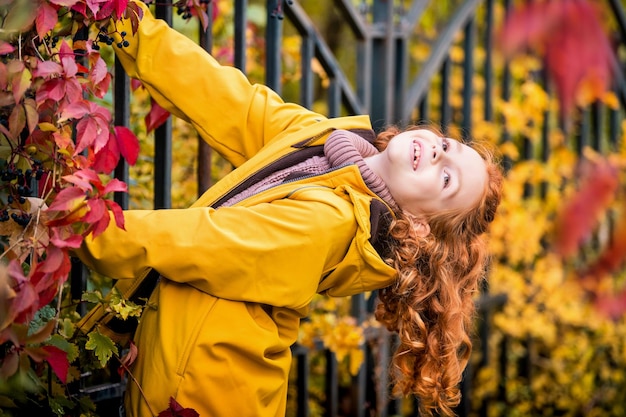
{"points": [[303, 384], [305, 27], [488, 67], [409, 22], [332, 384], [380, 106], [121, 104], [363, 74], [614, 129], [273, 39], [359, 381], [334, 98], [307, 52], [597, 124], [163, 139], [446, 108], [240, 24], [352, 18], [401, 71], [468, 73], [204, 157], [424, 109], [440, 51]]}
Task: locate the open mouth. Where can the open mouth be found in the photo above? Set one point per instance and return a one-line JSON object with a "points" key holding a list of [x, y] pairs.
{"points": [[417, 153]]}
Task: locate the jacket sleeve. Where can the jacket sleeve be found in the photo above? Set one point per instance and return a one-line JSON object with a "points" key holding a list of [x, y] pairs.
{"points": [[273, 253], [233, 116]]}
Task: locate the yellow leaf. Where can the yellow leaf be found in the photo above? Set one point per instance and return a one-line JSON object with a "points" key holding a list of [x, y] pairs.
{"points": [[356, 359], [47, 127]]}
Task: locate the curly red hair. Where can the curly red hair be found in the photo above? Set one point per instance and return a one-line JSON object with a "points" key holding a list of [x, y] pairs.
{"points": [[431, 305]]}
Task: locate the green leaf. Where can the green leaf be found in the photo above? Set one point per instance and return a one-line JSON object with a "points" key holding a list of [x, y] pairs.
{"points": [[70, 348], [92, 297], [66, 328], [102, 345], [127, 309]]}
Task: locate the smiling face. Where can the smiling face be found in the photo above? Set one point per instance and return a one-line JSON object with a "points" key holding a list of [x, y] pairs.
{"points": [[426, 173]]}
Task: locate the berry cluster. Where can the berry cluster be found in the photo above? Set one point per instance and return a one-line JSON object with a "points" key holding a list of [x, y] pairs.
{"points": [[20, 218], [107, 39], [184, 10], [22, 179]]}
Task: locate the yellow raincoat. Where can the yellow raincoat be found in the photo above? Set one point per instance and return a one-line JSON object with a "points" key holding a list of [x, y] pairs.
{"points": [[235, 281]]}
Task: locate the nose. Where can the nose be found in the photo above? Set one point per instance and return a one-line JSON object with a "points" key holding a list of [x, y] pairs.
{"points": [[437, 153]]}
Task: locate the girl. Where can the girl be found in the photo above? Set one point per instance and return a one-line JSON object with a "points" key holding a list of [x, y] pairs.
{"points": [[312, 207]]}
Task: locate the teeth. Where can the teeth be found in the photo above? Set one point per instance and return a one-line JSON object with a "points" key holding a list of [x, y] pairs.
{"points": [[416, 154]]}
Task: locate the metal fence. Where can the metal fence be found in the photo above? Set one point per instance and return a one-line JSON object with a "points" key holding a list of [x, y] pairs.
{"points": [[389, 85]]}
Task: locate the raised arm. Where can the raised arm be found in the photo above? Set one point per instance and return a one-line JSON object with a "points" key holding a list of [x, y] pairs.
{"points": [[233, 116], [273, 253]]}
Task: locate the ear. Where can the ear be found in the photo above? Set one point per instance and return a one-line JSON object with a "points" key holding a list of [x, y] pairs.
{"points": [[421, 227]]}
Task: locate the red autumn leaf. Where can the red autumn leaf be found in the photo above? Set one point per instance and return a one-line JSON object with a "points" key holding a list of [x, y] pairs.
{"points": [[176, 410], [107, 158], [74, 110], [100, 89], [87, 130], [80, 7], [53, 89], [64, 3], [114, 185], [156, 117], [99, 226], [73, 90], [81, 179], [580, 214], [135, 14], [6, 48], [25, 303], [68, 60], [127, 143], [612, 305], [612, 257], [118, 213], [135, 84], [57, 359], [569, 34], [98, 69], [68, 199], [46, 19], [64, 238], [53, 261], [44, 283], [97, 210], [113, 8]]}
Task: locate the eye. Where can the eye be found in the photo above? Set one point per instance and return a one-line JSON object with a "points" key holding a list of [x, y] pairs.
{"points": [[446, 179], [445, 144]]}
